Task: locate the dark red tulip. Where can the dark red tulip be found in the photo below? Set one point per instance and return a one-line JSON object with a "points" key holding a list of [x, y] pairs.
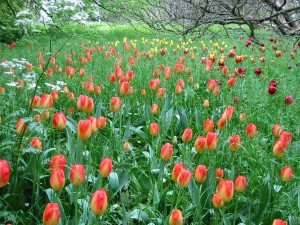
{"points": [[272, 90]]}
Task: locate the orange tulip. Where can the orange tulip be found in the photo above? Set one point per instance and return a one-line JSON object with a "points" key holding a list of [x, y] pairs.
{"points": [[240, 184], [46, 101], [82, 102], [231, 82], [126, 146], [77, 174], [51, 214], [221, 124], [154, 109], [57, 180], [4, 173], [206, 103], [217, 201], [200, 173], [184, 178], [101, 122], [219, 174], [176, 218], [166, 152], [286, 173], [177, 169], [178, 90], [59, 121], [279, 222], [161, 92], [200, 144], [90, 106], [225, 190], [99, 202], [21, 126], [115, 104], [58, 162], [154, 84], [124, 88], [36, 143], [279, 147], [84, 129], [35, 102], [251, 130], [211, 84], [154, 129], [208, 126], [235, 142], [105, 167], [286, 137], [94, 124], [187, 135], [211, 140], [228, 113], [277, 130]]}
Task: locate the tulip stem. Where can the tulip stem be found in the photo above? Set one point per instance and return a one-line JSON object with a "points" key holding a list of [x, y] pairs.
{"points": [[76, 204], [235, 209]]}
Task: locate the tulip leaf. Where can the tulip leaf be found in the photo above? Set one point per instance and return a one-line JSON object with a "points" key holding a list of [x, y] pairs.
{"points": [[72, 124], [98, 110], [139, 215], [113, 180], [127, 133], [264, 201], [193, 190], [138, 131], [183, 118], [156, 198], [198, 119]]}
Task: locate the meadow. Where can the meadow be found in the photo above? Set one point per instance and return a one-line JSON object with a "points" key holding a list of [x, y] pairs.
{"points": [[116, 126]]}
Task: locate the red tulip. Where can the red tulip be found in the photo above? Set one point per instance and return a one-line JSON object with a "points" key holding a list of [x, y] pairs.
{"points": [[51, 214], [187, 135], [289, 99], [184, 178], [105, 167], [154, 129], [99, 202], [240, 183], [36, 143], [176, 218], [208, 126], [77, 174], [57, 180], [84, 129], [272, 90], [59, 121], [219, 174], [115, 104], [200, 173], [251, 130], [225, 190], [279, 222], [177, 169], [200, 144], [217, 201], [4, 173], [58, 162], [211, 140], [286, 173], [166, 152], [101, 122]]}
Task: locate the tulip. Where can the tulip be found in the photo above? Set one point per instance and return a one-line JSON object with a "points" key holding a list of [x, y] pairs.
{"points": [[211, 141], [272, 90], [126, 146], [36, 143], [251, 130], [177, 169], [84, 129], [124, 88], [228, 113], [200, 144], [225, 190], [94, 123], [161, 92], [54, 95], [208, 126], [219, 174], [277, 130], [58, 162], [51, 214], [240, 184], [59, 121], [217, 201], [231, 82], [46, 101], [154, 129], [221, 124], [286, 137], [286, 173], [143, 92], [115, 104], [187, 135], [176, 218], [200, 173], [154, 84], [4, 172], [180, 82], [235, 142], [82, 102], [154, 109], [35, 102], [21, 127], [211, 84], [105, 167], [57, 180], [77, 175], [289, 99], [166, 152], [279, 222], [184, 178], [99, 202], [90, 106], [178, 90], [206, 103], [101, 122], [279, 147]]}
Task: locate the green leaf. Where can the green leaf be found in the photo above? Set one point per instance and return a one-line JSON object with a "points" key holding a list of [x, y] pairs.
{"points": [[139, 132], [156, 197], [193, 190], [113, 180], [98, 110], [72, 124], [264, 201]]}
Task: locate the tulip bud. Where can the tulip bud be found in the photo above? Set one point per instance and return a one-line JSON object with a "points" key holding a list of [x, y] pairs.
{"points": [[115, 104], [227, 115], [206, 103], [54, 95], [82, 102], [36, 143], [57, 162], [177, 169], [101, 122], [242, 117], [161, 92], [279, 222], [217, 201], [166, 152], [126, 146], [187, 135], [143, 92], [200, 144], [4, 172], [234, 142], [211, 84], [184, 178], [57, 180], [211, 141], [200, 173], [225, 190], [279, 147], [208, 126], [59, 121], [84, 129], [35, 102], [89, 106], [240, 184], [94, 124], [99, 202], [286, 137], [51, 214], [21, 126], [176, 218], [221, 124], [286, 173], [77, 175], [219, 174], [277, 130], [154, 129], [154, 109], [124, 88], [105, 167], [251, 130]]}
